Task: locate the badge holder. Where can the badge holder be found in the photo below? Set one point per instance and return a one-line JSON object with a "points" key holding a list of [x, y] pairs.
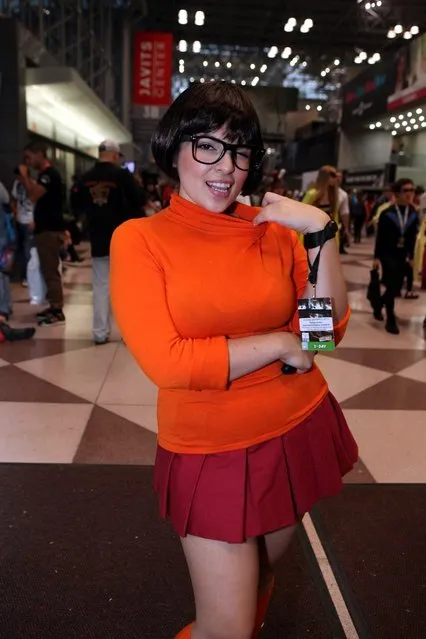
{"points": [[315, 319]]}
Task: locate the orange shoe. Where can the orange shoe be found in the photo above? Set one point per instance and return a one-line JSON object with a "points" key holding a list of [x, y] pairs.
{"points": [[185, 633], [262, 608]]}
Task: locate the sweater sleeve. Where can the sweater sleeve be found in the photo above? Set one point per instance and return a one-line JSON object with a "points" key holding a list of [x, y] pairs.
{"points": [[139, 300], [300, 279]]}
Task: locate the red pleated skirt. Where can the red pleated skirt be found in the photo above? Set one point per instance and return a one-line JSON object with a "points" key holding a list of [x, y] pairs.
{"points": [[233, 496]]}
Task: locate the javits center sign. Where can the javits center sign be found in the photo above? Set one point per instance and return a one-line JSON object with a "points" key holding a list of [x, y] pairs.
{"points": [[152, 68]]}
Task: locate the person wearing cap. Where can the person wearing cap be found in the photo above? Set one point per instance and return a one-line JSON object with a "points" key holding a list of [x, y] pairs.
{"points": [[109, 195]]}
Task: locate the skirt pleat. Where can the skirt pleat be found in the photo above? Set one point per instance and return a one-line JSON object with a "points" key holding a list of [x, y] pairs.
{"points": [[237, 495]]}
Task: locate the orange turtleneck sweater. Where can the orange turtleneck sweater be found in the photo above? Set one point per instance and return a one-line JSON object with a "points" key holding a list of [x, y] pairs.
{"points": [[185, 280]]}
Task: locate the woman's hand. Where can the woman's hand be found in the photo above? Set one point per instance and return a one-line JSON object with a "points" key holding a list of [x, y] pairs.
{"points": [[300, 217], [294, 355]]}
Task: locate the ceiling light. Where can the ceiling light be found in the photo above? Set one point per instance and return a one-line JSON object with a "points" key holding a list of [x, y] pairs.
{"points": [[217, 64], [309, 23], [286, 53], [288, 28], [205, 63], [228, 65], [183, 16], [202, 80], [413, 121], [376, 57], [319, 108], [192, 79], [199, 18], [358, 60], [263, 68], [416, 126], [243, 82], [423, 124], [421, 118], [378, 125], [292, 22], [272, 52], [398, 28], [400, 117], [415, 30], [304, 64], [232, 81], [363, 55], [394, 132], [371, 61], [254, 81], [252, 66], [367, 6], [294, 61], [372, 126], [391, 34], [419, 110], [181, 69], [409, 114], [379, 3], [196, 47], [393, 119], [304, 29], [408, 129], [407, 35], [336, 62], [397, 125], [183, 46], [404, 123], [323, 74], [308, 107], [181, 61]]}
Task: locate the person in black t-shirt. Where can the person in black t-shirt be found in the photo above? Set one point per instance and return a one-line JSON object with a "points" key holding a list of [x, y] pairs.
{"points": [[109, 195], [46, 193], [395, 242]]}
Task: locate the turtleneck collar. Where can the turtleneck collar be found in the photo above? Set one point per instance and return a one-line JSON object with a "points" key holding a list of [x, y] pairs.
{"points": [[239, 223]]}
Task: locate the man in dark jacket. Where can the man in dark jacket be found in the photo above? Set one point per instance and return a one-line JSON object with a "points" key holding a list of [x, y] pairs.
{"points": [[395, 242], [109, 196]]}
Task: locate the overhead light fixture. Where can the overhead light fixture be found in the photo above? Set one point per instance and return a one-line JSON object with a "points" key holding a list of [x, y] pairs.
{"points": [[192, 79], [400, 117], [196, 47], [309, 23], [398, 28], [409, 114], [419, 110], [421, 118], [416, 126], [363, 55], [323, 74], [408, 129], [243, 82], [372, 126], [183, 16], [292, 22], [407, 35], [286, 53], [217, 64], [327, 70], [273, 51], [183, 46], [181, 61], [379, 3], [263, 68], [199, 18], [254, 81], [336, 62], [394, 132], [304, 29], [205, 63], [414, 30], [228, 65], [377, 57], [358, 60], [413, 121], [252, 66], [202, 80], [378, 125], [232, 81], [304, 64], [288, 28], [319, 108], [391, 34], [308, 107], [397, 125], [423, 125], [393, 119], [294, 61], [404, 123]]}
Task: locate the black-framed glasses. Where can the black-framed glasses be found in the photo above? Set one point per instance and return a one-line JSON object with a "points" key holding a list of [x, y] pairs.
{"points": [[408, 189], [207, 149]]}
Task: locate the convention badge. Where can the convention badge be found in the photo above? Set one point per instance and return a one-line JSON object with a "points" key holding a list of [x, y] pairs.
{"points": [[401, 242], [316, 324]]}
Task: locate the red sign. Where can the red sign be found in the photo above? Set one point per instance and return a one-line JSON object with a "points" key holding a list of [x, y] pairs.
{"points": [[152, 68]]}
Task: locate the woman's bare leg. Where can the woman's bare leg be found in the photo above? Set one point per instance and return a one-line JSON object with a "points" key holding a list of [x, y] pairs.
{"points": [[225, 582], [271, 548]]}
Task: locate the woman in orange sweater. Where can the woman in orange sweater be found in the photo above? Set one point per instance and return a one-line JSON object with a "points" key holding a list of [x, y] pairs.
{"points": [[205, 295]]}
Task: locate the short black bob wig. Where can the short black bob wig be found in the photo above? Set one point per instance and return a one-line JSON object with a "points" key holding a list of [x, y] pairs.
{"points": [[205, 108]]}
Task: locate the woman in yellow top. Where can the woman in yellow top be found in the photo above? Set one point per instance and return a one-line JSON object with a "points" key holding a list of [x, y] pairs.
{"points": [[325, 192]]}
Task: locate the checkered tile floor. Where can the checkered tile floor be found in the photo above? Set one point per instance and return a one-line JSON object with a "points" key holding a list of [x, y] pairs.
{"points": [[63, 400]]}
